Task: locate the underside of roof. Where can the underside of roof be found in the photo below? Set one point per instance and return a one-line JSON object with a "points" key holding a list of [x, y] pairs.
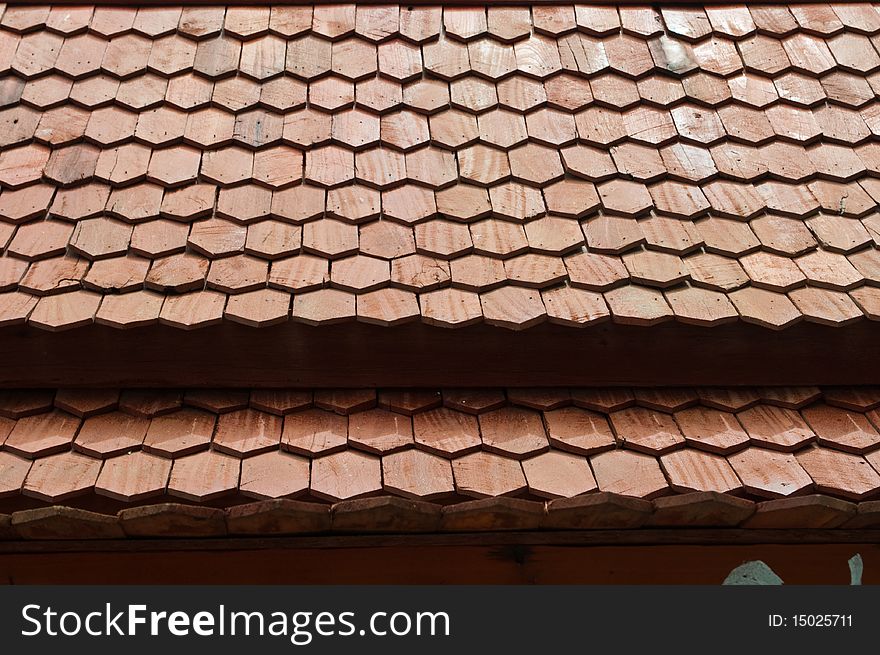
{"points": [[235, 241]]}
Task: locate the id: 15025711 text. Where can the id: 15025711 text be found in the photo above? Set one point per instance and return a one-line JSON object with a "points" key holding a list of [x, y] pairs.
{"points": [[810, 621]]}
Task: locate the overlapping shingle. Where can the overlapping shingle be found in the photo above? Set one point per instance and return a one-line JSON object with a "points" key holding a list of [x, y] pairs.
{"points": [[732, 153], [447, 445]]}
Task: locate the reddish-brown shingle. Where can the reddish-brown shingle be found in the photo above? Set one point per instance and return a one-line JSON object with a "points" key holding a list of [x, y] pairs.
{"points": [[718, 167]]}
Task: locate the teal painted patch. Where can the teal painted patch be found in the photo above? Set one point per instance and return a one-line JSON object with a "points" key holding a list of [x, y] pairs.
{"points": [[752, 573], [856, 566], [757, 572]]}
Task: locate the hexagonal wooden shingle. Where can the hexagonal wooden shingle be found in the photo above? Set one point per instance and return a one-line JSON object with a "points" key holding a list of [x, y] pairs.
{"points": [[450, 308], [345, 401], [346, 475], [86, 402], [191, 202], [13, 472], [578, 430], [18, 403], [59, 477], [409, 401], [692, 470], [42, 434], [712, 430], [133, 477], [129, 310], [218, 401], [204, 476], [247, 432], [179, 433], [839, 473], [417, 475], [485, 475], [446, 432], [273, 239], [111, 434], [420, 273], [379, 431], [259, 308], [513, 432], [387, 307], [227, 166], [314, 432], [770, 474], [776, 427], [630, 474], [512, 307], [558, 475], [281, 401], [193, 310], [646, 430], [839, 428], [238, 274], [65, 311], [274, 475], [323, 306]]}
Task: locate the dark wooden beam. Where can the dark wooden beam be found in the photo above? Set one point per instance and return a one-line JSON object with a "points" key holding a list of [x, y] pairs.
{"points": [[563, 538], [356, 354], [484, 561]]}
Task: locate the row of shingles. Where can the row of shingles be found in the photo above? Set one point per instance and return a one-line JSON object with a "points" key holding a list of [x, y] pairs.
{"points": [[505, 23], [467, 21], [451, 128], [506, 433], [386, 513], [470, 93], [376, 91], [663, 177], [720, 193], [483, 181], [572, 244], [154, 22], [336, 21], [612, 85], [475, 272], [869, 46], [450, 146], [416, 473], [352, 65], [523, 94], [388, 259], [491, 148], [252, 303], [15, 404]]}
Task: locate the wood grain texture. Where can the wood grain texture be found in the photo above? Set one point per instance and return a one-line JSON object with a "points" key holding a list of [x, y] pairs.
{"points": [[492, 561], [546, 355]]}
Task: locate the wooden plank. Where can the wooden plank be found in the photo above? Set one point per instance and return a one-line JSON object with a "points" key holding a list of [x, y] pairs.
{"points": [[292, 354], [652, 536], [475, 564]]}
